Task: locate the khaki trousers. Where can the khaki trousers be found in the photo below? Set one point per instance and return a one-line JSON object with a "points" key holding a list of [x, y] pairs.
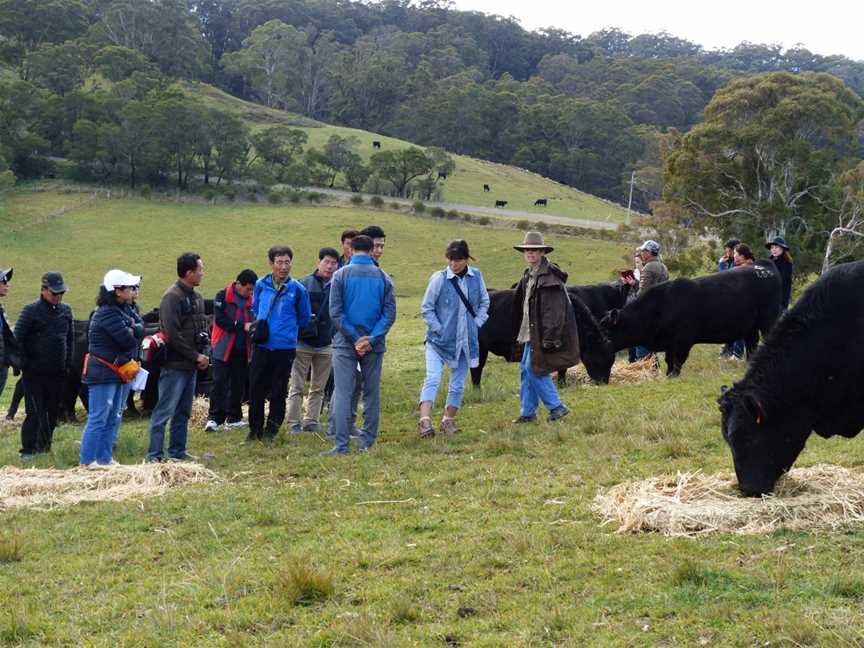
{"points": [[319, 361]]}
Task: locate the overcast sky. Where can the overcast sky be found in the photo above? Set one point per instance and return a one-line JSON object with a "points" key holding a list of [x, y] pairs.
{"points": [[824, 27]]}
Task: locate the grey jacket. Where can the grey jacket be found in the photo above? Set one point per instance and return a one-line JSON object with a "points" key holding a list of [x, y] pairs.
{"points": [[654, 272]]}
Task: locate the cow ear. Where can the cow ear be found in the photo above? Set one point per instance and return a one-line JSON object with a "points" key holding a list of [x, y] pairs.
{"points": [[755, 408], [723, 389]]}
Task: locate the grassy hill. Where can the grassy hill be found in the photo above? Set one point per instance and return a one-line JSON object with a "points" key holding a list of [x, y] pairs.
{"points": [[518, 187], [484, 539]]}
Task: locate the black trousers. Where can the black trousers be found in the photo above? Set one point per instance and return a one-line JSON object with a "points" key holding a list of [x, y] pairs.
{"points": [[269, 374], [42, 396], [226, 391]]}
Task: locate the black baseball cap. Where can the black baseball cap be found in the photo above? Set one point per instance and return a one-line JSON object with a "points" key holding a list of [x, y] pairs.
{"points": [[53, 281], [6, 275]]}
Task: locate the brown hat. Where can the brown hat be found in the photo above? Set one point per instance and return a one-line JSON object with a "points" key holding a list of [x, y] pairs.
{"points": [[533, 241]]}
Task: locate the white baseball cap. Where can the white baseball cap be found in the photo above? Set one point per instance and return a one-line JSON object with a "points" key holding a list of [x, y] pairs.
{"points": [[116, 278]]}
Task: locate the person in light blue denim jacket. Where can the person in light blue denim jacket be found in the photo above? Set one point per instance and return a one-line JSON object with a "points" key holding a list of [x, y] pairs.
{"points": [[455, 306]]}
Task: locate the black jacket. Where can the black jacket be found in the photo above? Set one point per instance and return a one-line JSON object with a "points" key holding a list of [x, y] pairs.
{"points": [[784, 267], [44, 333], [182, 319], [10, 354], [319, 331], [115, 335]]}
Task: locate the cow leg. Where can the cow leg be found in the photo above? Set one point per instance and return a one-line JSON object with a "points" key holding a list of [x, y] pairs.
{"points": [[751, 342], [477, 372], [562, 377], [680, 353]]}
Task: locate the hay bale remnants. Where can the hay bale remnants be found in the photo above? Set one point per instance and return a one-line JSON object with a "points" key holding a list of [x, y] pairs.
{"points": [[623, 373], [821, 498], [51, 488]]}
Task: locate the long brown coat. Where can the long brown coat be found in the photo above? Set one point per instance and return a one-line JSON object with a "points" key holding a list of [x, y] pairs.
{"points": [[554, 336]]}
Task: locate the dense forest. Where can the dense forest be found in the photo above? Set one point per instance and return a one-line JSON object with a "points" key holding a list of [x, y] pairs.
{"points": [[90, 80]]}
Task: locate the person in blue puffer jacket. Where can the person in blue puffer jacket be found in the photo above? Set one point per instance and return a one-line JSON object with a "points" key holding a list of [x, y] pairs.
{"points": [[455, 306], [114, 336], [284, 303]]}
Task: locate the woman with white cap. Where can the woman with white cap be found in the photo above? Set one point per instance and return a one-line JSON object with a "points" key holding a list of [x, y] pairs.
{"points": [[115, 334]]}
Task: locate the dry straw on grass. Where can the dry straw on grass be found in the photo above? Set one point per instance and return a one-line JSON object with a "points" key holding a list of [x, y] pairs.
{"points": [[623, 373], [824, 498], [50, 488]]}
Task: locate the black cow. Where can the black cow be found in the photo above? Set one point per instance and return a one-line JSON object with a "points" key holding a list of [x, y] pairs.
{"points": [[540, 202], [808, 376], [602, 297], [72, 387], [500, 203], [442, 176], [487, 188], [498, 335], [376, 144], [716, 309]]}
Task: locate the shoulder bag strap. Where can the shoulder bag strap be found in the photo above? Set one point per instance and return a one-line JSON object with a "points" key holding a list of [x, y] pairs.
{"points": [[454, 281]]}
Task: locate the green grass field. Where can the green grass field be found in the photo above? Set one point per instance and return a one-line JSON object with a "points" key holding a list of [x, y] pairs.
{"points": [[482, 539], [519, 187]]}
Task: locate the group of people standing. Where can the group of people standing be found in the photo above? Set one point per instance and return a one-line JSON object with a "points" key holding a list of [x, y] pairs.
{"points": [[327, 328]]}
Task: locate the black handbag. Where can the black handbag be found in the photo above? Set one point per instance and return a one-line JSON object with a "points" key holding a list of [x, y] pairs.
{"points": [[259, 330]]}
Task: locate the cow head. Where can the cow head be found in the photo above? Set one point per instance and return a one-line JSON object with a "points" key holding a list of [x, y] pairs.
{"points": [[622, 329], [762, 449]]}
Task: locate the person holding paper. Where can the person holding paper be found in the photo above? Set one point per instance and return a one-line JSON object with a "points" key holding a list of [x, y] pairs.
{"points": [[114, 336]]}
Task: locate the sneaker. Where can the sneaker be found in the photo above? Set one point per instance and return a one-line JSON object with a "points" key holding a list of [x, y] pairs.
{"points": [[334, 451], [183, 457], [24, 456], [559, 412], [233, 425], [525, 419], [211, 426], [356, 433], [295, 428], [153, 459], [312, 426], [448, 426], [425, 429]]}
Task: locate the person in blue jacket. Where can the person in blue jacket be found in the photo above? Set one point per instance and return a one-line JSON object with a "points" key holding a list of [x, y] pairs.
{"points": [[362, 309], [284, 303], [114, 336], [455, 306]]}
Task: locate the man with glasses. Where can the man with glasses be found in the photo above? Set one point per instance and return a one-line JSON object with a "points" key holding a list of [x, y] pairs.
{"points": [[44, 333], [8, 345]]}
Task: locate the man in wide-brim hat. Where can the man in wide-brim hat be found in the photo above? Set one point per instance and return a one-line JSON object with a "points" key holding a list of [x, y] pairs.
{"points": [[547, 330]]}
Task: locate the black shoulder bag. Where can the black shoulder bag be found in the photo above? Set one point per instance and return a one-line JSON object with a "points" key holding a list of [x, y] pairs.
{"points": [[259, 331], [454, 281]]}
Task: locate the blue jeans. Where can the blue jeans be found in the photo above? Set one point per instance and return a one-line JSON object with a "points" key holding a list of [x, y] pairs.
{"points": [[345, 375], [127, 387], [534, 388], [176, 390], [642, 352], [434, 369], [105, 406]]}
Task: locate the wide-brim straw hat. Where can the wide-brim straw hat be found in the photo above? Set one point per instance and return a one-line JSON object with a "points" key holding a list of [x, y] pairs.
{"points": [[533, 241]]}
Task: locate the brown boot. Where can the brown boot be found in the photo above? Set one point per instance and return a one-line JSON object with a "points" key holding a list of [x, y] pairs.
{"points": [[425, 429], [448, 426]]}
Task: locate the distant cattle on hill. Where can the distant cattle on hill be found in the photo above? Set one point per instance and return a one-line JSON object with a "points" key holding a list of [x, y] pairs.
{"points": [[487, 188], [500, 203], [442, 176], [540, 202], [376, 144]]}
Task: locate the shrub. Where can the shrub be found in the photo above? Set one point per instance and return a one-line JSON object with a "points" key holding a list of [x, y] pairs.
{"points": [[251, 196], [274, 197], [436, 212], [208, 194], [395, 205], [540, 226], [452, 215], [302, 583], [357, 199], [146, 191], [483, 220], [418, 207], [230, 193], [314, 197], [466, 217], [376, 201], [523, 225], [295, 197]]}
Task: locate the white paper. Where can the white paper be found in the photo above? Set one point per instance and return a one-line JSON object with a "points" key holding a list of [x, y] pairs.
{"points": [[139, 382]]}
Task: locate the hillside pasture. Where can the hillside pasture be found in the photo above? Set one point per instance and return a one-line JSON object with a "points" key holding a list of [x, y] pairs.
{"points": [[486, 538]]}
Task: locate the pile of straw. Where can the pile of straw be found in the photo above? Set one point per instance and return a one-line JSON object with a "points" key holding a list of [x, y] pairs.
{"points": [[50, 488], [823, 497], [200, 410], [623, 373]]}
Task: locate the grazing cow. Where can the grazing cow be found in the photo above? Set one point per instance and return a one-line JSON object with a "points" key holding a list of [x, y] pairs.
{"points": [[487, 188], [500, 203], [73, 388], [376, 144], [498, 335], [442, 176], [675, 315], [808, 376], [540, 202], [601, 298]]}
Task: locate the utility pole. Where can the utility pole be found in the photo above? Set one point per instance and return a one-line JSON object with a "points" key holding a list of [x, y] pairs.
{"points": [[630, 199]]}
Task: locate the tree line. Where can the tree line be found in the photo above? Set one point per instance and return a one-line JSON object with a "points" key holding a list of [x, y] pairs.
{"points": [[591, 111]]}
